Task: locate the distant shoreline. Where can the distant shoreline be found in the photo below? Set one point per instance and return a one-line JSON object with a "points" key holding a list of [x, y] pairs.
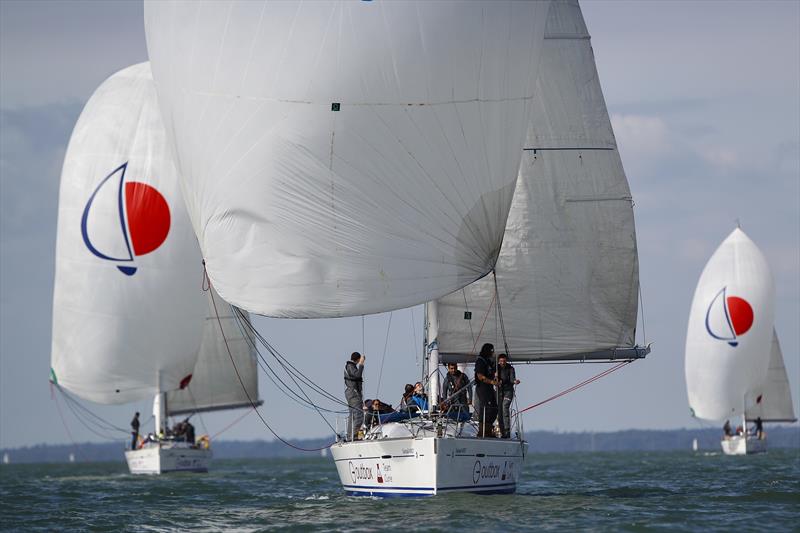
{"points": [[784, 436]]}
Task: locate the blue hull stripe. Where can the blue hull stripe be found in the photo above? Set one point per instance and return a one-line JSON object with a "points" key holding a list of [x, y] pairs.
{"points": [[384, 491]]}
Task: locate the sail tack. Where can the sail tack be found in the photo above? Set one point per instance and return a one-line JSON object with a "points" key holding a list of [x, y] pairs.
{"points": [[342, 158], [567, 273], [127, 305], [216, 384], [729, 342]]}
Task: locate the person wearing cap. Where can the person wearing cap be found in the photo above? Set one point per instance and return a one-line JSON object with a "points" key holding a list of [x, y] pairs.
{"points": [[507, 378], [353, 387]]}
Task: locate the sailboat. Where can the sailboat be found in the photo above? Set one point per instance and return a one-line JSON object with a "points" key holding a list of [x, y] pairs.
{"points": [[128, 306], [734, 365], [329, 177]]}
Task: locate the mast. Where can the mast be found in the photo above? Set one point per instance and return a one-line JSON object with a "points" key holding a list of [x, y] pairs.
{"points": [[433, 352], [160, 411]]}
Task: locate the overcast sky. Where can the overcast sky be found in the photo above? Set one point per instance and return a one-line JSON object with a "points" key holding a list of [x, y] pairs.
{"points": [[705, 102]]}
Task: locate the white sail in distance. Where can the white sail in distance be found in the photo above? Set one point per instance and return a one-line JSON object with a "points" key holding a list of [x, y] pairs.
{"points": [[567, 273], [730, 332], [217, 382], [128, 307], [342, 158], [772, 400]]}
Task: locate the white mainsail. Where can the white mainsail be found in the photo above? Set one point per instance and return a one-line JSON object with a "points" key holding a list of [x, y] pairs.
{"points": [[772, 400], [128, 308], [730, 332], [342, 158], [216, 384], [567, 273]]}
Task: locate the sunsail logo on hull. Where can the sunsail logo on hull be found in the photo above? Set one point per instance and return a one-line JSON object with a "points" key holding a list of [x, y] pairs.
{"points": [[728, 317], [140, 211]]}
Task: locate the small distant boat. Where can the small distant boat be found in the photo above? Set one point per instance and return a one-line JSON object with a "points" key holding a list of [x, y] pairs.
{"points": [[734, 365], [6, 459], [71, 457], [694, 445]]}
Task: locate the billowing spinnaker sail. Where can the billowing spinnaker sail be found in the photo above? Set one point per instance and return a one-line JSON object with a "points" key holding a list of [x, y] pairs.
{"points": [[128, 306], [343, 158], [730, 330], [772, 400], [567, 274], [215, 383]]}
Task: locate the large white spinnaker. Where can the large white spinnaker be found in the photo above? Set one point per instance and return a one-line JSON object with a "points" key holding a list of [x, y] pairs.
{"points": [[730, 332], [342, 158], [567, 274], [127, 306], [217, 382], [772, 400]]}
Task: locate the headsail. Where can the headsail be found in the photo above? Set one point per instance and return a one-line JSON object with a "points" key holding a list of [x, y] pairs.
{"points": [[730, 330], [772, 400], [127, 305], [215, 384], [343, 158], [567, 274]]}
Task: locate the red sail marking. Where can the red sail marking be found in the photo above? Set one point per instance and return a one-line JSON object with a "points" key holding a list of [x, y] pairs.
{"points": [[741, 314], [148, 217]]}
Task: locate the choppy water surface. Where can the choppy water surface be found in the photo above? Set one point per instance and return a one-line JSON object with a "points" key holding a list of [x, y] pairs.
{"points": [[607, 491]]}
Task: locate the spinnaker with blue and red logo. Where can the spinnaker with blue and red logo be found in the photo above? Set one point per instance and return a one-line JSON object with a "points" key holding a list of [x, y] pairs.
{"points": [[128, 307], [733, 362]]}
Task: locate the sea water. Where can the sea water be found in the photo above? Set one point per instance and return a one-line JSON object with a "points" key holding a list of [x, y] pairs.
{"points": [[622, 491]]}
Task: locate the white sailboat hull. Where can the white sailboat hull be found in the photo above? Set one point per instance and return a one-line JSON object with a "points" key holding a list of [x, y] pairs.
{"points": [[427, 466], [167, 458], [743, 445]]}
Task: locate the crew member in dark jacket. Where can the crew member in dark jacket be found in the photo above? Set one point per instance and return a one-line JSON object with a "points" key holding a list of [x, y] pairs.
{"points": [[353, 370], [456, 388], [507, 378], [485, 401], [134, 430]]}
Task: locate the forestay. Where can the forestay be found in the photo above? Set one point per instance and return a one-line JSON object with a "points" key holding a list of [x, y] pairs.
{"points": [[567, 274], [730, 330], [772, 400], [127, 306], [216, 383], [342, 158]]}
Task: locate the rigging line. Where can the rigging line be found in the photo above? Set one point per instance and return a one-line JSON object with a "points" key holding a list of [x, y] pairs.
{"points": [[100, 422], [414, 334], [283, 362], [363, 337], [226, 428], [383, 358], [196, 411], [485, 316], [641, 304], [85, 423], [576, 387], [500, 315], [247, 393], [63, 421], [280, 384]]}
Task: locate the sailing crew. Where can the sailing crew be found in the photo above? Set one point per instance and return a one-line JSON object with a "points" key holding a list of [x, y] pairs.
{"points": [[726, 430], [405, 401], [507, 377], [353, 386], [759, 428], [134, 430], [419, 398], [456, 390], [485, 401]]}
